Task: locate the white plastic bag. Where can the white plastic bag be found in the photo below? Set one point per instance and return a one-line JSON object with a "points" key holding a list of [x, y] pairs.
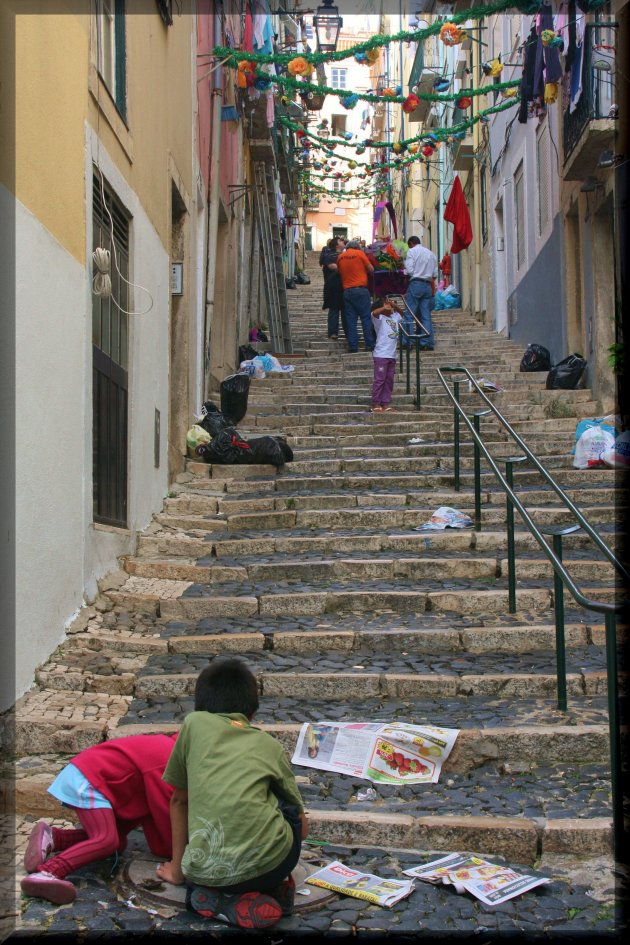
{"points": [[619, 453], [446, 517], [589, 448]]}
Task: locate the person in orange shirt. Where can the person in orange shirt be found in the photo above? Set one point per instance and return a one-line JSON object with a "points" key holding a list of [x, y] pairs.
{"points": [[354, 268]]}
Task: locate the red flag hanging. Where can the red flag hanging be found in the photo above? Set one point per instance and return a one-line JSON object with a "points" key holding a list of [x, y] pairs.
{"points": [[456, 212]]}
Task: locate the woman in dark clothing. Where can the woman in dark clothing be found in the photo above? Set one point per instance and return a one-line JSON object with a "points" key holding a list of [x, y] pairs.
{"points": [[333, 290]]}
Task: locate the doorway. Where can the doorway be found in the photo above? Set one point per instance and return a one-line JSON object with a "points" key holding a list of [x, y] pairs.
{"points": [[341, 231]]}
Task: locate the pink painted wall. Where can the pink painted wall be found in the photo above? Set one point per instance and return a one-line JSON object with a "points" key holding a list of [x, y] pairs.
{"points": [[206, 82]]}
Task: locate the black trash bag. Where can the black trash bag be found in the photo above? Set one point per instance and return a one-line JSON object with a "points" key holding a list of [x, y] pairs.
{"points": [[247, 353], [234, 393], [272, 450], [213, 421], [302, 279], [262, 335], [566, 374], [536, 358], [227, 448]]}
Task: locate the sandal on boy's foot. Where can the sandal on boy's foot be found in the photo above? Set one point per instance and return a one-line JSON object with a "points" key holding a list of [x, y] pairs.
{"points": [[388, 409], [40, 845], [46, 886], [251, 910], [284, 894], [376, 410]]}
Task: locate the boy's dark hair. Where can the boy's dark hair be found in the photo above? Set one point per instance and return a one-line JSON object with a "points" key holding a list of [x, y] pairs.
{"points": [[227, 685], [413, 241]]}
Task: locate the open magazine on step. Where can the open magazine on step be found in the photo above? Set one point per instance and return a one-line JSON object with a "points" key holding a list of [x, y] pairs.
{"points": [[489, 882], [382, 752], [342, 879]]}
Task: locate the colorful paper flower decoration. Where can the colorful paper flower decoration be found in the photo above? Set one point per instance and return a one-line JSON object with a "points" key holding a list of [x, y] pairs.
{"points": [[493, 68], [299, 66], [509, 93], [411, 103], [285, 100], [352, 164], [413, 148], [360, 57], [398, 147], [261, 84], [427, 150], [360, 149], [368, 142], [388, 92], [551, 92], [347, 135], [349, 101], [245, 74], [372, 56], [451, 34], [464, 101], [441, 85]]}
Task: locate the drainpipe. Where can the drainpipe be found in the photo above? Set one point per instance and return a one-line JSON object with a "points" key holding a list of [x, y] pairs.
{"points": [[214, 166], [403, 192], [476, 186]]}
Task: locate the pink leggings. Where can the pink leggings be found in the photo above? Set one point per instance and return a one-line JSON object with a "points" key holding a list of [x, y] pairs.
{"points": [[101, 835]]}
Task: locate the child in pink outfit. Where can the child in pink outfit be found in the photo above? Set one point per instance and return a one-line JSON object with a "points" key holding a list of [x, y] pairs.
{"points": [[386, 320], [114, 787]]}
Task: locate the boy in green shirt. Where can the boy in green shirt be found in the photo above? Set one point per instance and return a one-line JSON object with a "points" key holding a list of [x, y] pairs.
{"points": [[237, 815]]}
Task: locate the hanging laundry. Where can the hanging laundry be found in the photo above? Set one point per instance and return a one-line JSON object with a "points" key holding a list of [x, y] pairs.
{"points": [[527, 82], [456, 212]]}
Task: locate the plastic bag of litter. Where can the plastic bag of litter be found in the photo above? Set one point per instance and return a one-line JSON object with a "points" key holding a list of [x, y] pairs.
{"points": [[487, 385], [196, 440], [619, 453], [254, 368], [446, 517], [592, 444]]}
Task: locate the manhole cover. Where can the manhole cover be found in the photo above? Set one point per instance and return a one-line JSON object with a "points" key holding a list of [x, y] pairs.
{"points": [[137, 881]]}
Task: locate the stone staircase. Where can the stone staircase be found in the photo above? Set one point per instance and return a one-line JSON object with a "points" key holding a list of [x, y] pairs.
{"points": [[317, 576]]}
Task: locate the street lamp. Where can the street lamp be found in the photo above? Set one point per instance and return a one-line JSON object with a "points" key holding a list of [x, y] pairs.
{"points": [[327, 24]]}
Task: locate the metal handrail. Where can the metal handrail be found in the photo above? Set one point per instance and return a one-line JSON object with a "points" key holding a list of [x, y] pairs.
{"points": [[561, 579], [597, 606]]}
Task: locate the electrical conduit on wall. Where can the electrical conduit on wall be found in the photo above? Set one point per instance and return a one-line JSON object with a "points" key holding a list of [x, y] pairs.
{"points": [[213, 210]]}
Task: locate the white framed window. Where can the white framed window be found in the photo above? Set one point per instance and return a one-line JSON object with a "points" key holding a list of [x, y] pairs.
{"points": [[110, 45], [543, 175], [339, 185], [339, 78], [519, 215]]}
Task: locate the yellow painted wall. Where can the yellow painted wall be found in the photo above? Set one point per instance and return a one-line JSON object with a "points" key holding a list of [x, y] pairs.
{"points": [[55, 89], [50, 103]]}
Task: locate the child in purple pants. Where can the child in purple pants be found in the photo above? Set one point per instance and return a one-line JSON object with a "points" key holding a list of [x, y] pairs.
{"points": [[386, 319]]}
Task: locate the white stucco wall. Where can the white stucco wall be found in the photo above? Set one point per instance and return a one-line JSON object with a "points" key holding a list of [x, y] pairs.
{"points": [[50, 407], [61, 553]]}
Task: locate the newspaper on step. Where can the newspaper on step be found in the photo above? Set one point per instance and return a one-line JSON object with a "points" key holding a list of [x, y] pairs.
{"points": [[342, 879], [389, 753], [490, 883]]}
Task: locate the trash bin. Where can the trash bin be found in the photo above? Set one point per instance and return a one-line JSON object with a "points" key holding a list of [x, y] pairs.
{"points": [[234, 393]]}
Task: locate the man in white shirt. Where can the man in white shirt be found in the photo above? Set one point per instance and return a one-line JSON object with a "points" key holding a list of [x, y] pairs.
{"points": [[421, 265]]}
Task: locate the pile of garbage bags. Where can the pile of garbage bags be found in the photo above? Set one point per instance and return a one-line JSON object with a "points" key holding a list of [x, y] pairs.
{"points": [[447, 298], [262, 364], [215, 439]]}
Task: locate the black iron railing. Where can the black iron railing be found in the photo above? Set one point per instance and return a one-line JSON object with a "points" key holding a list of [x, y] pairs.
{"points": [[597, 99], [553, 552]]}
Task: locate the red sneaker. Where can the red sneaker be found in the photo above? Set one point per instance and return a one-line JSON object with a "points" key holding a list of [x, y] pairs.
{"points": [[252, 910], [46, 886], [40, 845]]}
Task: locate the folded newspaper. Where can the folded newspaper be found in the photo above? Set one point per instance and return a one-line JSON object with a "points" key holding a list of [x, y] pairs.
{"points": [[383, 892], [393, 753], [490, 883]]}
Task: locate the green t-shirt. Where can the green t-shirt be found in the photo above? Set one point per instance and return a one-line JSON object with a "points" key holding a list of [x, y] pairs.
{"points": [[231, 770]]}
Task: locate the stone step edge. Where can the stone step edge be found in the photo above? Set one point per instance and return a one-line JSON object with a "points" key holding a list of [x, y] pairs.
{"points": [[539, 744], [519, 839], [167, 601], [487, 639]]}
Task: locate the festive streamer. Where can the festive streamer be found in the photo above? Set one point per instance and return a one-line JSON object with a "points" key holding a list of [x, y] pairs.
{"points": [[414, 36], [288, 82]]}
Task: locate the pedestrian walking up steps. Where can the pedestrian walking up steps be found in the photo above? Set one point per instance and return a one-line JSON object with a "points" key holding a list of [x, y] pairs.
{"points": [[317, 577]]}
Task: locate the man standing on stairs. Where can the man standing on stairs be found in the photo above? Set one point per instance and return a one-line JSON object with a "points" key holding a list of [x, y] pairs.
{"points": [[421, 265], [354, 268]]}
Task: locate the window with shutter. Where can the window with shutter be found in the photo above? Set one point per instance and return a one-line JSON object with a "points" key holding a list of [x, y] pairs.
{"points": [[519, 213]]}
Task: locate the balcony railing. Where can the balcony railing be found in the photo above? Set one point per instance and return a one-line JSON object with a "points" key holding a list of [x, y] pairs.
{"points": [[598, 83]]}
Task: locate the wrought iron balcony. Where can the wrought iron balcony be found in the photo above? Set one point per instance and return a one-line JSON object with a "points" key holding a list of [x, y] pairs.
{"points": [[591, 126]]}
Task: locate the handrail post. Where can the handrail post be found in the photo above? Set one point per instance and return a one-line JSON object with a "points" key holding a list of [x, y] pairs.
{"points": [[400, 352], [456, 436], [417, 372], [619, 836], [408, 356], [476, 424], [557, 532], [509, 508]]}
